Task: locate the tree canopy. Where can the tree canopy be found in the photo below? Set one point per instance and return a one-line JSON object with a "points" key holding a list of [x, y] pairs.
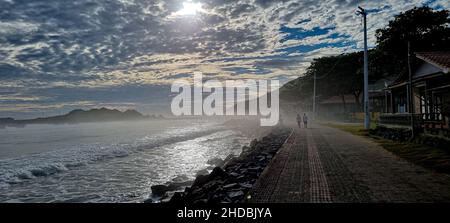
{"points": [[335, 75], [424, 28]]}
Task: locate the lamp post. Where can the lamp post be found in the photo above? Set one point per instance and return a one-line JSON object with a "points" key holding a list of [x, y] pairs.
{"points": [[314, 98], [366, 72], [410, 91]]}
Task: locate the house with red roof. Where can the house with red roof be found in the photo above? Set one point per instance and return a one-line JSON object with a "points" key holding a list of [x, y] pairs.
{"points": [[429, 108]]}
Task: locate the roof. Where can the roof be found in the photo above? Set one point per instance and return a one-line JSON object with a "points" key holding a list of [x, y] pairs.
{"points": [[381, 84], [438, 59], [349, 99], [401, 81]]}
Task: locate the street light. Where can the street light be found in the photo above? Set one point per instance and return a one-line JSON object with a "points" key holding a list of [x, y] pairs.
{"points": [[366, 72], [314, 98]]}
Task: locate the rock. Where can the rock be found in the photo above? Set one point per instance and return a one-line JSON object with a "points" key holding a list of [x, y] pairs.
{"points": [[246, 149], [181, 178], [235, 167], [178, 185], [241, 178], [159, 190], [199, 195], [202, 172], [253, 169], [212, 185], [228, 159], [261, 158], [165, 199], [177, 198], [229, 186], [235, 194], [216, 198], [254, 142], [198, 191], [234, 174], [246, 185], [149, 200], [218, 172], [200, 180], [215, 162], [201, 201], [230, 180]]}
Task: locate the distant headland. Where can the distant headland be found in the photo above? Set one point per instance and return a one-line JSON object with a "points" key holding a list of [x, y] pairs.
{"points": [[81, 116]]}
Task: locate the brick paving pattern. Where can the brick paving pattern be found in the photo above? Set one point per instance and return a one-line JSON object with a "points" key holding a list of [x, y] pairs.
{"points": [[323, 164], [320, 192]]}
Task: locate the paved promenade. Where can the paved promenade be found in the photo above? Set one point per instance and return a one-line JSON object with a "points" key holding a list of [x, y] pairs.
{"points": [[324, 165]]}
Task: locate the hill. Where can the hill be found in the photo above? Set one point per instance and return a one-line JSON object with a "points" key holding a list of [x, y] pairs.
{"points": [[79, 116]]}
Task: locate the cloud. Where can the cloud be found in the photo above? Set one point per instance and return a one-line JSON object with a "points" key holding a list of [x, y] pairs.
{"points": [[100, 46]]}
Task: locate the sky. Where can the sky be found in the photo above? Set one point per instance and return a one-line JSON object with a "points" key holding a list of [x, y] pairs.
{"points": [[59, 55]]}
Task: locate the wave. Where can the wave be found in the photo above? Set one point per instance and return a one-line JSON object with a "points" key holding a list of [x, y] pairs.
{"points": [[17, 170]]}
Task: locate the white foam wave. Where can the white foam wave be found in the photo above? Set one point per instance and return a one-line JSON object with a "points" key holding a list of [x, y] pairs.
{"points": [[16, 170]]}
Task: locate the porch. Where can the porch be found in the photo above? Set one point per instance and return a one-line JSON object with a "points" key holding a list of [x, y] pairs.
{"points": [[429, 123], [426, 106]]}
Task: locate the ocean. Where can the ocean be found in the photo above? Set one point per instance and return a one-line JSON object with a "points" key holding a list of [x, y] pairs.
{"points": [[107, 162]]}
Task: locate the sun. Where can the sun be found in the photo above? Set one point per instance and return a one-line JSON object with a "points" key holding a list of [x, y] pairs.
{"points": [[190, 8]]}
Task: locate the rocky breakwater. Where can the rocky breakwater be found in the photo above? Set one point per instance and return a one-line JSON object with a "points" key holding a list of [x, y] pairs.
{"points": [[231, 182]]}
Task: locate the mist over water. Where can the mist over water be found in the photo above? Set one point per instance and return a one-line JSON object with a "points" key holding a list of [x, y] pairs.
{"points": [[107, 162]]}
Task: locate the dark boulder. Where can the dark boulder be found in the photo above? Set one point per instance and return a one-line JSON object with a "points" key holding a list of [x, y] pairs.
{"points": [[229, 186], [178, 185], [200, 180], [218, 173], [202, 172], [159, 190], [177, 198], [228, 159], [235, 194]]}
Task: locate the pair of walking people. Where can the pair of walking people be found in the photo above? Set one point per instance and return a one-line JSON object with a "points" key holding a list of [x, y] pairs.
{"points": [[305, 120]]}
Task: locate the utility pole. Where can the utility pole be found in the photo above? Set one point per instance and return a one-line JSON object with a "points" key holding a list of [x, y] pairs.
{"points": [[314, 98], [366, 72], [410, 92]]}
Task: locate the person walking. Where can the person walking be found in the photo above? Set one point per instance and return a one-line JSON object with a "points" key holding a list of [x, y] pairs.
{"points": [[305, 120], [299, 120]]}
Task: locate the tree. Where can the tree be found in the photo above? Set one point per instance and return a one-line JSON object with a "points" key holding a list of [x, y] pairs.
{"points": [[336, 76], [424, 28], [339, 75]]}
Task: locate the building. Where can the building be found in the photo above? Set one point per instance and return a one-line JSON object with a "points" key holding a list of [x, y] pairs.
{"points": [[430, 93], [338, 107], [350, 108]]}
